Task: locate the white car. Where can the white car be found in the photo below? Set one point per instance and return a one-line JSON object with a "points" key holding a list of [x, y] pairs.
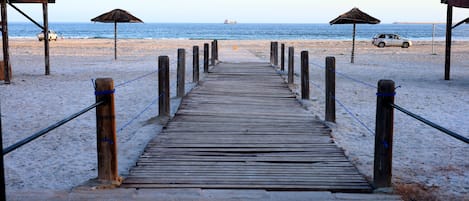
{"points": [[52, 36], [383, 40]]}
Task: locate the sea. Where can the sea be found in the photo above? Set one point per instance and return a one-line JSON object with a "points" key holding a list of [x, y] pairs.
{"points": [[241, 31]]}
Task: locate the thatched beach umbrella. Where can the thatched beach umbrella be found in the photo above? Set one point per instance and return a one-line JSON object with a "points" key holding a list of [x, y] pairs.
{"points": [[115, 16], [354, 16]]}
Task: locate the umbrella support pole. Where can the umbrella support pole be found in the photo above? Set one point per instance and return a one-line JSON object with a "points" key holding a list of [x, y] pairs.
{"points": [[353, 44], [115, 40]]}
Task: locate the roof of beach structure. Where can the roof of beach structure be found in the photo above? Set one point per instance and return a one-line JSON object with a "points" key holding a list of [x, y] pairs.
{"points": [[457, 3], [116, 15], [355, 16]]}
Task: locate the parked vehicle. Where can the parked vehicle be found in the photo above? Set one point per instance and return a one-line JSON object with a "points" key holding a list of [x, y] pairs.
{"points": [[52, 36], [384, 40]]}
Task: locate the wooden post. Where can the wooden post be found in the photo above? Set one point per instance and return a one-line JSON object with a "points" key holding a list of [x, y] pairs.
{"points": [[163, 87], [305, 75], [206, 55], [195, 64], [181, 76], [271, 53], [330, 89], [216, 51], [6, 47], [212, 60], [275, 54], [106, 131], [46, 36], [282, 57], [449, 31], [291, 65], [384, 134]]}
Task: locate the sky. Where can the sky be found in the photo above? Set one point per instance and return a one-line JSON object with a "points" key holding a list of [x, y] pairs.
{"points": [[243, 11]]}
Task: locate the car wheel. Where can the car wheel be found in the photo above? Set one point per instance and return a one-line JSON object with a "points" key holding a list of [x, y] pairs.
{"points": [[381, 45], [405, 45]]}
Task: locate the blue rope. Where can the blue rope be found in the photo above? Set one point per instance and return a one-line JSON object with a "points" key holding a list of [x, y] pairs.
{"points": [[316, 85], [133, 80], [349, 111], [105, 92], [353, 116], [348, 77], [138, 115]]}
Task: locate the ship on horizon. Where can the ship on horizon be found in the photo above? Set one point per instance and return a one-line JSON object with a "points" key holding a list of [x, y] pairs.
{"points": [[227, 21]]}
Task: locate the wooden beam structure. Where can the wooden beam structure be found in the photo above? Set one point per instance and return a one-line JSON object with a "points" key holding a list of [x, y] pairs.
{"points": [[449, 27], [449, 22], [5, 40], [6, 48], [31, 1]]}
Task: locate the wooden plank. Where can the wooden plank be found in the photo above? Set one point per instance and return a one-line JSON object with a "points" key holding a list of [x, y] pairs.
{"points": [[243, 128]]}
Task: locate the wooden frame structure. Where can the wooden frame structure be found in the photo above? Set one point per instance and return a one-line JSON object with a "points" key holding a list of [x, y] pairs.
{"points": [[5, 40], [449, 29]]}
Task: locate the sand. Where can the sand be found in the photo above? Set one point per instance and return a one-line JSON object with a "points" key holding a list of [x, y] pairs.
{"points": [[425, 162]]}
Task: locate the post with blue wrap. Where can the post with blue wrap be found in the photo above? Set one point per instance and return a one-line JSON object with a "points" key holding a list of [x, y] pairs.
{"points": [[382, 173], [106, 132]]}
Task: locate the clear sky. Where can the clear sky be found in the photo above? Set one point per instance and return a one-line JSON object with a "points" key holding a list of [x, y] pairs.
{"points": [[244, 11]]}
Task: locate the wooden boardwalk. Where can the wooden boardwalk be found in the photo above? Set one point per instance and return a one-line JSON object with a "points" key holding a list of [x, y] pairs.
{"points": [[242, 128]]}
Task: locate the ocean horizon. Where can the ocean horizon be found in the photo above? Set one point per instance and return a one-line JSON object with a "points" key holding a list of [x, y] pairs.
{"points": [[241, 31]]}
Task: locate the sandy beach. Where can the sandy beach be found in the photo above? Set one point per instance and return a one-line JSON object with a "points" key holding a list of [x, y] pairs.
{"points": [[427, 164]]}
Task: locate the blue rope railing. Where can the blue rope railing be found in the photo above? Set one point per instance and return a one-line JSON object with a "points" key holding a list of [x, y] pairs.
{"points": [[135, 79], [123, 127], [349, 111], [347, 76], [49, 129], [429, 123], [354, 116]]}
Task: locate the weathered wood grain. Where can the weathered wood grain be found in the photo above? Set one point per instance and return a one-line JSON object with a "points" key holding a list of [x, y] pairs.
{"points": [[243, 128]]}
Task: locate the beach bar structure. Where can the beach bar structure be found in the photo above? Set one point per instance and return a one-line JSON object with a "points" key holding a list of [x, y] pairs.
{"points": [[44, 27], [449, 29]]}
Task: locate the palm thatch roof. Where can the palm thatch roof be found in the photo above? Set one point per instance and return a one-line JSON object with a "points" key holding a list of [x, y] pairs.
{"points": [[457, 3], [355, 16], [116, 15]]}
